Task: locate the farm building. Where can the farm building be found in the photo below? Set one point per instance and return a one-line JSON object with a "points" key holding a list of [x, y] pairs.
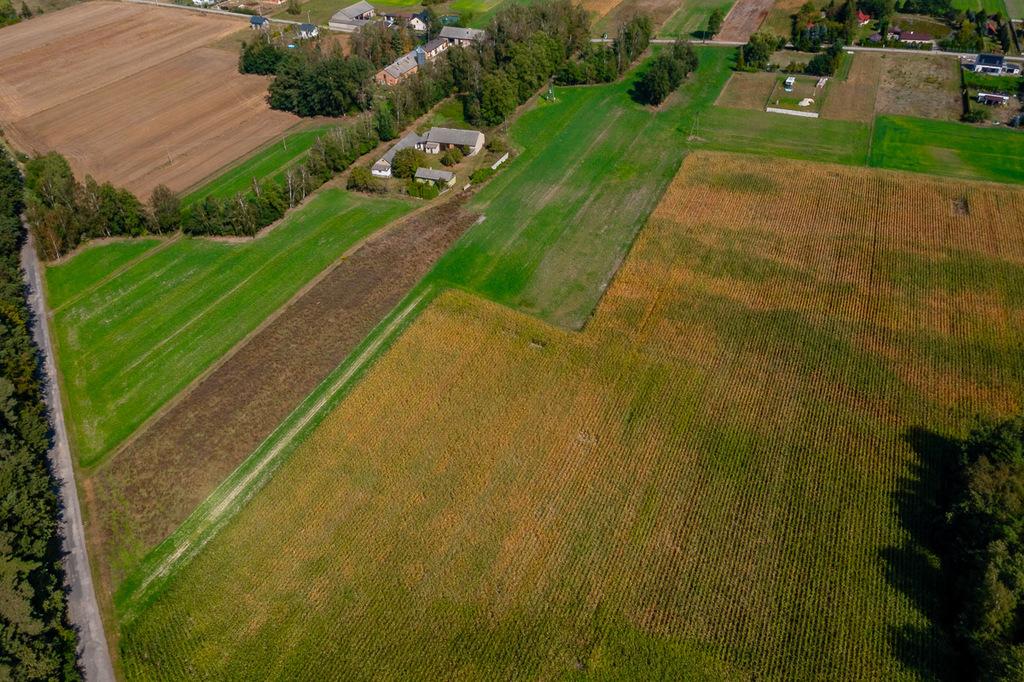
{"points": [[435, 141], [438, 177], [308, 31], [401, 68], [462, 36], [993, 99], [995, 65], [912, 37], [259, 23], [351, 18]]}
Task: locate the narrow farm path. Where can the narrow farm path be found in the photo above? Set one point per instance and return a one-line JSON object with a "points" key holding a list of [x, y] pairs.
{"points": [[83, 610]]}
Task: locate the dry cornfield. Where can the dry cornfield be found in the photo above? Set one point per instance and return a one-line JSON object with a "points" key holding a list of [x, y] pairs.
{"points": [[716, 477]]}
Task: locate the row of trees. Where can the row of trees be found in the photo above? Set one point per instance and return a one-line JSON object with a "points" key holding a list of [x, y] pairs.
{"points": [[36, 641], [64, 213], [600, 63], [983, 549], [666, 73]]}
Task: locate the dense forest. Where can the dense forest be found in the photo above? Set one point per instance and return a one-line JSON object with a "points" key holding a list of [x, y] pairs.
{"points": [[36, 642]]}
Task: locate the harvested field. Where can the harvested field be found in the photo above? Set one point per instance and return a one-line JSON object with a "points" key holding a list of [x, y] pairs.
{"points": [[715, 479], [127, 343], [619, 14], [148, 488], [747, 91], [744, 19], [853, 99], [690, 20], [926, 86], [130, 94]]}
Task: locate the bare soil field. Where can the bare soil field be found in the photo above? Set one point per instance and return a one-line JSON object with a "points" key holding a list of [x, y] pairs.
{"points": [[853, 99], [927, 86], [130, 94], [744, 19], [615, 15], [149, 487], [747, 90]]}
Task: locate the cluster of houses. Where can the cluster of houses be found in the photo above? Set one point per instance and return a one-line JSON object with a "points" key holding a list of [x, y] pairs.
{"points": [[410, 62], [434, 141]]}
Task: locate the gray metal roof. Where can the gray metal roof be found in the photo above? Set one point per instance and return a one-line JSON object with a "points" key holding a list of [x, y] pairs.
{"points": [[401, 66], [432, 174], [434, 44], [990, 60], [410, 140], [457, 33], [467, 138], [352, 11]]}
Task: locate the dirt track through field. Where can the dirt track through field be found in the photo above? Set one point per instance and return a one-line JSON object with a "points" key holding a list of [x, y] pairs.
{"points": [[131, 94], [151, 486], [743, 20]]}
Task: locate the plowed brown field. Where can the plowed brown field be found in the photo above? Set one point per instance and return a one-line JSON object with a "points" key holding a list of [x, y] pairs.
{"points": [[130, 94], [743, 19]]}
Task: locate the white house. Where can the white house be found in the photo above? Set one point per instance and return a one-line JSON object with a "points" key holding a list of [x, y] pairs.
{"points": [[418, 23], [307, 31], [995, 65], [435, 141], [259, 23]]}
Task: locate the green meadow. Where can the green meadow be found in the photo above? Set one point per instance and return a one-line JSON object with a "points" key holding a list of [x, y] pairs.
{"points": [[691, 19], [947, 148], [128, 342], [268, 163]]}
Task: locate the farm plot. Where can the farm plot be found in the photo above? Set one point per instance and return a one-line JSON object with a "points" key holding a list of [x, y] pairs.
{"points": [[128, 343], [946, 148], [747, 91], [712, 480], [927, 86], [619, 13], [853, 99], [691, 19], [149, 487], [744, 19], [130, 94]]}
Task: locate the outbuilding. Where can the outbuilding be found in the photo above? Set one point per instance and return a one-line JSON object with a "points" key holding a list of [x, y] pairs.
{"points": [[993, 99], [351, 18], [259, 23], [462, 36], [307, 31], [438, 177]]}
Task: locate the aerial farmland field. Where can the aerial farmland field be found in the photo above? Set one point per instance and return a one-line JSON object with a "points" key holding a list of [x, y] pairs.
{"points": [[129, 342], [715, 477], [66, 80]]}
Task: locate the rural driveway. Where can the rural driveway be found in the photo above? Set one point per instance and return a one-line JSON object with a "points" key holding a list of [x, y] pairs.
{"points": [[83, 611]]}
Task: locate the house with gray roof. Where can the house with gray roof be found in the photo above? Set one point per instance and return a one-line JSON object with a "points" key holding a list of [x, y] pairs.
{"points": [[456, 35], [439, 177], [351, 18], [403, 67], [435, 141]]}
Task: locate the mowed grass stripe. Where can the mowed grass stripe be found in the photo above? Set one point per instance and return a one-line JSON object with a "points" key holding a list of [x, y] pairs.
{"points": [[134, 342], [91, 266]]}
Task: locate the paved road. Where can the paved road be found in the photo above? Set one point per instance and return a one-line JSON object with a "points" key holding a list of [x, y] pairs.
{"points": [[83, 611]]}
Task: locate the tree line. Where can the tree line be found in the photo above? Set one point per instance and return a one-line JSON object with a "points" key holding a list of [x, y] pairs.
{"points": [[36, 640], [64, 213], [981, 535], [666, 72]]}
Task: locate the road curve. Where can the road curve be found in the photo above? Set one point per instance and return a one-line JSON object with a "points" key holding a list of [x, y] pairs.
{"points": [[83, 610]]}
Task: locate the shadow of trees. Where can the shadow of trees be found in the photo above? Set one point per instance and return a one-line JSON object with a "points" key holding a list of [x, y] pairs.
{"points": [[915, 568]]}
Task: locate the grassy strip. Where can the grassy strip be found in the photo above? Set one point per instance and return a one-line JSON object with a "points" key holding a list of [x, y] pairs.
{"points": [[135, 341], [691, 19], [947, 148], [268, 163]]}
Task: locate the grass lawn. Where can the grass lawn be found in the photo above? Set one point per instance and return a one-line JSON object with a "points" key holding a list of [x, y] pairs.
{"points": [[561, 217], [691, 19], [758, 132], [721, 477], [947, 148], [1015, 8], [269, 162], [990, 6], [1010, 85], [89, 266], [129, 343]]}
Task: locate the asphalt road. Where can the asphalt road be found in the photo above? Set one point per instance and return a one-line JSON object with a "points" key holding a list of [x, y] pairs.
{"points": [[83, 611]]}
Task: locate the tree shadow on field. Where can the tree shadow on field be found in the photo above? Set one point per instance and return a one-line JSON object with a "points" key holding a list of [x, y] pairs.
{"points": [[914, 568]]}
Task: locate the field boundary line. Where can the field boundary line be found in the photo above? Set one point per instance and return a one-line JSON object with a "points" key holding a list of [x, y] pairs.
{"points": [[234, 350], [164, 561]]}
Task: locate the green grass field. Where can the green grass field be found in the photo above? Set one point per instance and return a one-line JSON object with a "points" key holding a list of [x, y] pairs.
{"points": [[947, 148], [716, 479], [269, 162], [990, 6], [129, 343], [1015, 8], [691, 19]]}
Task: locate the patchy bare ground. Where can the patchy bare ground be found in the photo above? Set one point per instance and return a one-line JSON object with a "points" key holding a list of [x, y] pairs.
{"points": [[854, 98], [927, 86], [744, 19], [148, 488], [747, 90]]}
